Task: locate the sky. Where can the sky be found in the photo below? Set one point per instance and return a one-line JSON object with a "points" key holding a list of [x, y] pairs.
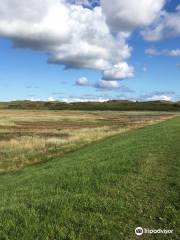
{"points": [[90, 50]]}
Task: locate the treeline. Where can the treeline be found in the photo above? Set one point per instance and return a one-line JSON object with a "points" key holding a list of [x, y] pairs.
{"points": [[109, 105]]}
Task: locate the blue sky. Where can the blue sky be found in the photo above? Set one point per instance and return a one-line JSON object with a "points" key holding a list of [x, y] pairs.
{"points": [[148, 70]]}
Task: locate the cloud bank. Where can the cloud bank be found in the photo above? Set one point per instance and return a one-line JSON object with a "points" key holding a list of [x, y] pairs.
{"points": [[158, 96]]}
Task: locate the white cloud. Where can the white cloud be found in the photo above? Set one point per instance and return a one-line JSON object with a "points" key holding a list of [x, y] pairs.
{"points": [[33, 23], [83, 81], [51, 99], [174, 52], [119, 71], [107, 85], [74, 99], [125, 15], [33, 99], [166, 26], [159, 98], [79, 37], [158, 95], [164, 52], [152, 52], [64, 31], [148, 15]]}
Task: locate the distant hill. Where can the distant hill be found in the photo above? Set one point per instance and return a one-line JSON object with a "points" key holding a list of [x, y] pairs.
{"points": [[120, 105]]}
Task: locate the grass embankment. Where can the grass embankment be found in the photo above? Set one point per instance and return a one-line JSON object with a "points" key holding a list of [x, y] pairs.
{"points": [[102, 191]]}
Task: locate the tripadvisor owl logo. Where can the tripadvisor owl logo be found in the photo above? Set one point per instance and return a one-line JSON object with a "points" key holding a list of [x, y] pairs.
{"points": [[139, 231]]}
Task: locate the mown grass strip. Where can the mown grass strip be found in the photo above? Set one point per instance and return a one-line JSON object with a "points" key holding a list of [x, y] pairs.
{"points": [[102, 191]]}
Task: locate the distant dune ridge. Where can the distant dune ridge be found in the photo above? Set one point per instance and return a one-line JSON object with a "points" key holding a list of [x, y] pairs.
{"points": [[123, 105]]}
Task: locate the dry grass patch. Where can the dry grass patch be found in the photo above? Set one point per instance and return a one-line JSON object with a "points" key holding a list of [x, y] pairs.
{"points": [[28, 137]]}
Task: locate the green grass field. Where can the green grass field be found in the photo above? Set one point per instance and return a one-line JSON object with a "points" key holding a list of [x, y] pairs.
{"points": [[101, 191]]}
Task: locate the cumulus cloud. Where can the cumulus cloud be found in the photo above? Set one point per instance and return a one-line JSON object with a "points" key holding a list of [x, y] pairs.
{"points": [[119, 71], [125, 15], [64, 31], [148, 15], [83, 81], [164, 52], [107, 85], [78, 33], [112, 86], [33, 23], [166, 26]]}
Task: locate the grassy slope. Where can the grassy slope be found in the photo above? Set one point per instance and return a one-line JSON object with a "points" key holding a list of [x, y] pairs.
{"points": [[102, 191]]}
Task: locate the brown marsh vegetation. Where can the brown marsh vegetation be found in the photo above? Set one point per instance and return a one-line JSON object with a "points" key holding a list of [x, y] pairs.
{"points": [[28, 137]]}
